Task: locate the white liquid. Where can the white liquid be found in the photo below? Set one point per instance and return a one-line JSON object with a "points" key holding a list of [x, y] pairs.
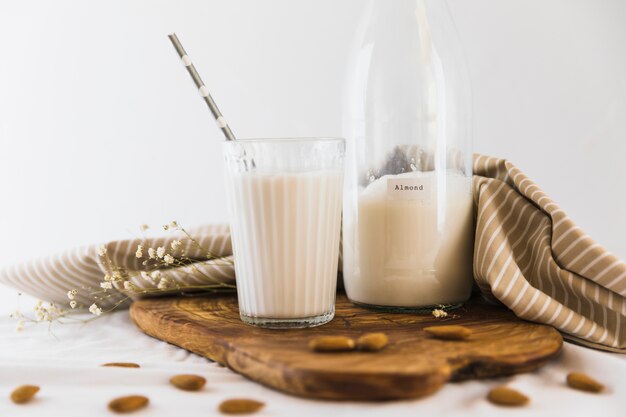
{"points": [[411, 252], [285, 230]]}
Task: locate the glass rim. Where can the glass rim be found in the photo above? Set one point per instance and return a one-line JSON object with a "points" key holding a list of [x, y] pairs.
{"points": [[288, 139]]}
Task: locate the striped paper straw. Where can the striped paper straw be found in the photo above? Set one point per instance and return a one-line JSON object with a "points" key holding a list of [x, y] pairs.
{"points": [[204, 92]]}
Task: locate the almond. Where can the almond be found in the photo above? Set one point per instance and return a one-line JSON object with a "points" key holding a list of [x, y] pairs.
{"points": [[583, 382], [24, 393], [507, 396], [121, 364], [188, 382], [128, 404], [449, 332], [240, 406], [331, 344], [372, 342]]}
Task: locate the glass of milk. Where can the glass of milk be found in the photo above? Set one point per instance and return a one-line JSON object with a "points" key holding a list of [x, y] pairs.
{"points": [[285, 201]]}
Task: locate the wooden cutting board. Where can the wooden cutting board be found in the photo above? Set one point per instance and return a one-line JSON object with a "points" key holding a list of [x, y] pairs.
{"points": [[413, 364]]}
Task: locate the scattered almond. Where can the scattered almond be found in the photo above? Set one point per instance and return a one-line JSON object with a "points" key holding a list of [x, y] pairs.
{"points": [[583, 382], [24, 393], [372, 342], [188, 382], [507, 396], [121, 364], [240, 406], [331, 344], [128, 404], [449, 332]]}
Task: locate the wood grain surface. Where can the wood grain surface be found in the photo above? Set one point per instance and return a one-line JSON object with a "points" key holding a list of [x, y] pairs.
{"points": [[414, 364]]}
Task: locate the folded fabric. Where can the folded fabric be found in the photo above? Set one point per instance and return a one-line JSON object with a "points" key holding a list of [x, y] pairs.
{"points": [[528, 255], [209, 264], [532, 258]]}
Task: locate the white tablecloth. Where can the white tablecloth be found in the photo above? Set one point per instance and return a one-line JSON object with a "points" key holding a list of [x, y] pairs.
{"points": [[64, 361]]}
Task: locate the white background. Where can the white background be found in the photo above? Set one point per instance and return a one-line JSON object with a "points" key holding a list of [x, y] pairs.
{"points": [[101, 130]]}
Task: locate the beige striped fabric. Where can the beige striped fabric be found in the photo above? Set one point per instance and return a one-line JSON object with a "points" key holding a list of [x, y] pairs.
{"points": [[531, 257], [528, 255], [83, 269]]}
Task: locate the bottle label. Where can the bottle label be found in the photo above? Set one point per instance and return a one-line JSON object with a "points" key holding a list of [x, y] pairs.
{"points": [[409, 188]]}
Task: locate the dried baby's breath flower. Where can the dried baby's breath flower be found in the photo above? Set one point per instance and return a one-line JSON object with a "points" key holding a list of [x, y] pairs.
{"points": [[163, 284], [144, 227], [19, 326], [47, 312], [155, 260], [39, 311], [129, 286], [439, 313], [95, 310], [166, 227]]}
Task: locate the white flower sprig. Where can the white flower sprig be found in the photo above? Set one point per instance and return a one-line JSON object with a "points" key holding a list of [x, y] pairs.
{"points": [[156, 260], [153, 280], [94, 309], [43, 313], [439, 313]]}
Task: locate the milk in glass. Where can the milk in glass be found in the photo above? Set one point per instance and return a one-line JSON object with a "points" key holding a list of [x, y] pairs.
{"points": [[286, 229]]}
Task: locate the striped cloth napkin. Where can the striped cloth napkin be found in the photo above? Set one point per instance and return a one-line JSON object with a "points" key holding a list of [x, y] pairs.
{"points": [[528, 255], [532, 258]]}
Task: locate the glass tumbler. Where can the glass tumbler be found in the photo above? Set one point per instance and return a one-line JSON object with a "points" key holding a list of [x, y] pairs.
{"points": [[285, 201]]}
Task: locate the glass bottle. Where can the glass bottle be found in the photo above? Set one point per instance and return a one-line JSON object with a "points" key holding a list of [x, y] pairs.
{"points": [[408, 208]]}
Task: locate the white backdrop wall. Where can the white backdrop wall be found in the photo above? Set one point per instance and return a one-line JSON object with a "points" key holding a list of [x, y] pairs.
{"points": [[101, 129]]}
